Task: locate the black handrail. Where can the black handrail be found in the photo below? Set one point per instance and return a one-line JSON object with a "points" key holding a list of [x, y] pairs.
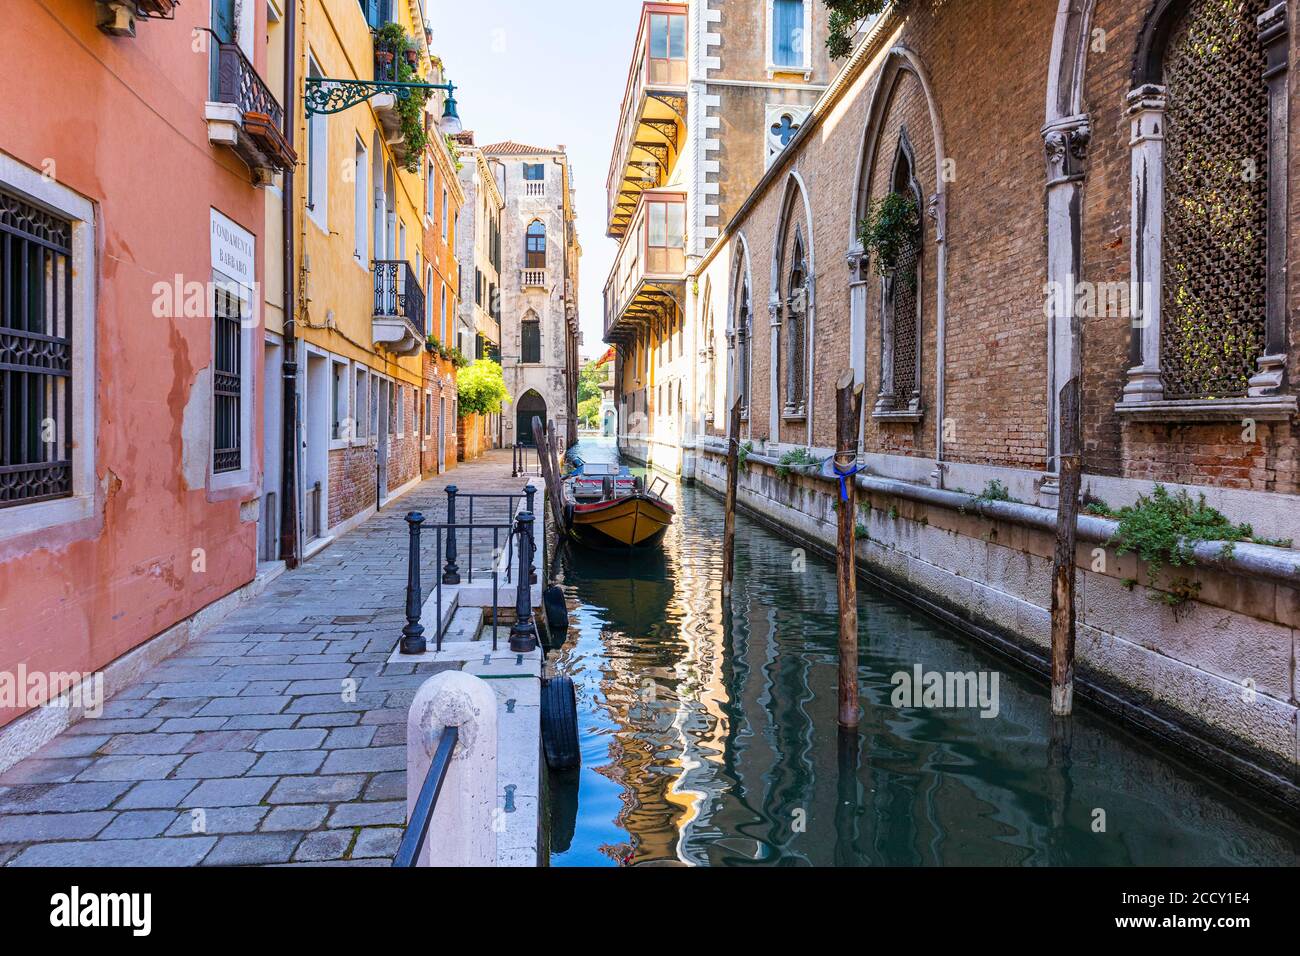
{"points": [[447, 572], [417, 828]]}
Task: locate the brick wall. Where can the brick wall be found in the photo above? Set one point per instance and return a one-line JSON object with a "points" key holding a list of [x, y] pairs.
{"points": [[352, 477]]}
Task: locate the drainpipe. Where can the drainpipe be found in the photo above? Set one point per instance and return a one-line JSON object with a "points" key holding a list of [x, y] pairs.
{"points": [[289, 544]]}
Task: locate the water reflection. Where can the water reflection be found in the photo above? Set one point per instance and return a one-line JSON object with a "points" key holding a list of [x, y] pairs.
{"points": [[711, 738]]}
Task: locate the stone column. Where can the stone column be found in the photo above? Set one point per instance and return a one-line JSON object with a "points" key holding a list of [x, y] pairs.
{"points": [[1066, 145], [1146, 111], [774, 371], [856, 260], [1273, 36]]}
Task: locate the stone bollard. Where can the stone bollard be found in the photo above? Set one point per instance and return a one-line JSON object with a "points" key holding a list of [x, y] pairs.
{"points": [[462, 831]]}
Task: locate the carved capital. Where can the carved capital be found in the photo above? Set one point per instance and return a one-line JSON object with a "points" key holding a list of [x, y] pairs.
{"points": [[1066, 147]]}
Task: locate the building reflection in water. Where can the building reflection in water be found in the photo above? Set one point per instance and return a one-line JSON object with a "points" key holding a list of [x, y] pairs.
{"points": [[712, 739]]}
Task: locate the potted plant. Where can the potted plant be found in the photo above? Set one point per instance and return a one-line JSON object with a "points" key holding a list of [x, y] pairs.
{"points": [[412, 56]]}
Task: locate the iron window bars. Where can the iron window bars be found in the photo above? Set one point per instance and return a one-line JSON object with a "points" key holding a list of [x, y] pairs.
{"points": [[35, 354]]}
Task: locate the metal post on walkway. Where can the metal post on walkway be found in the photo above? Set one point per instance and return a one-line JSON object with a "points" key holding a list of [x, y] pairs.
{"points": [[529, 492], [413, 634], [523, 634], [451, 574]]}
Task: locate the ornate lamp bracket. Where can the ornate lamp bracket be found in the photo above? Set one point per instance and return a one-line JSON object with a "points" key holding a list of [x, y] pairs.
{"points": [[324, 95]]}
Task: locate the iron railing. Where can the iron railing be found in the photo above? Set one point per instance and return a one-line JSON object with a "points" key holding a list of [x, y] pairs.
{"points": [[417, 830], [516, 531], [525, 460], [239, 83], [398, 292]]}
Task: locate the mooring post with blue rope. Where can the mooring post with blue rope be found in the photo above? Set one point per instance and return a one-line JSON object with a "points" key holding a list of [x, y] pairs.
{"points": [[848, 411]]}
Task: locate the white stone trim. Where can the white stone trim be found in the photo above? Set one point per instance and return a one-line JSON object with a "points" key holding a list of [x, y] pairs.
{"points": [[21, 520]]}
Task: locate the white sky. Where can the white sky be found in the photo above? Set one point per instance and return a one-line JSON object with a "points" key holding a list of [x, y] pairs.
{"points": [[547, 74]]}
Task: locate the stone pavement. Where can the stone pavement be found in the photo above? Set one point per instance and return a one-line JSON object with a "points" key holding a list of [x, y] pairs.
{"points": [[278, 736]]}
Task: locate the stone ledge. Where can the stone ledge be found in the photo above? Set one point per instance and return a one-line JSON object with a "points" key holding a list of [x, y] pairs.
{"points": [[1281, 408]]}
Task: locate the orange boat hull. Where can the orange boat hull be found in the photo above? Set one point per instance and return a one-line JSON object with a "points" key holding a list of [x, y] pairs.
{"points": [[636, 521]]}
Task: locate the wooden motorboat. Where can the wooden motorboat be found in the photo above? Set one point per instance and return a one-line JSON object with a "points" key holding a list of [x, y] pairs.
{"points": [[609, 508]]}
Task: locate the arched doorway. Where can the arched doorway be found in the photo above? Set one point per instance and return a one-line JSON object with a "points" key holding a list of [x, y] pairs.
{"points": [[530, 404]]}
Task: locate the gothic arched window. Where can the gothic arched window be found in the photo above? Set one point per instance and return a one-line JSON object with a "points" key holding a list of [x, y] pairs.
{"points": [[900, 300], [796, 328], [1208, 153]]}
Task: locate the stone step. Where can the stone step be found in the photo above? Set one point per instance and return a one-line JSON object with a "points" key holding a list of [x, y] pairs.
{"points": [[464, 626]]}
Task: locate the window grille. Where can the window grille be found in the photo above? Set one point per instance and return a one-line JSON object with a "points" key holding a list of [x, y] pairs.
{"points": [[35, 354], [226, 383], [1213, 309]]}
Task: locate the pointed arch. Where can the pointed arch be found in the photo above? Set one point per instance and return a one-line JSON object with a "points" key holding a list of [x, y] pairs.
{"points": [[740, 329], [793, 307], [708, 355], [899, 61]]}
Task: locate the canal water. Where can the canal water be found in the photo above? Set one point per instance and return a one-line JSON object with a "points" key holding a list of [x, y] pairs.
{"points": [[712, 741]]}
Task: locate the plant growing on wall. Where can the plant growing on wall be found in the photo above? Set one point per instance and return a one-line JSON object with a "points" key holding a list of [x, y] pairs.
{"points": [[392, 39], [794, 458], [481, 388], [1164, 530], [893, 223], [845, 16]]}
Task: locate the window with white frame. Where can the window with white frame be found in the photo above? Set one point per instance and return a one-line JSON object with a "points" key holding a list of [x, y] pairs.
{"points": [[446, 218], [361, 403], [374, 408], [317, 159], [788, 21], [341, 426], [428, 193], [38, 384], [360, 203], [428, 414]]}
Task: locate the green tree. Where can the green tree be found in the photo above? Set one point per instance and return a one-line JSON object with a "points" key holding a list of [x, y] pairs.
{"points": [[589, 411], [589, 378], [845, 16], [481, 388]]}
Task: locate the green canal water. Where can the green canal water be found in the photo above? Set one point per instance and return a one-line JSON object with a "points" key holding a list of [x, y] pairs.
{"points": [[712, 741]]}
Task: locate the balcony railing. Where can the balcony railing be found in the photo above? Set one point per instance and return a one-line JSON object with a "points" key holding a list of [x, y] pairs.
{"points": [[259, 137], [398, 292], [535, 187], [651, 262], [532, 279]]}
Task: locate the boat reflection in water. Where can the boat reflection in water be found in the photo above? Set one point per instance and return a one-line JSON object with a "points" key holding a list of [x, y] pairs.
{"points": [[712, 741]]}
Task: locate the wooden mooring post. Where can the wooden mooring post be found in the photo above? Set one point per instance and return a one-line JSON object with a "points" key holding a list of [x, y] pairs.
{"points": [[729, 507], [1063, 563], [550, 474], [848, 410]]}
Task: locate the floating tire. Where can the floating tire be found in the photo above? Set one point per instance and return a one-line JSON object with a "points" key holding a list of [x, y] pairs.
{"points": [[560, 724]]}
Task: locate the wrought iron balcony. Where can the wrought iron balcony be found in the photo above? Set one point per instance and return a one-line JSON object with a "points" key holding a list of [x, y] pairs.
{"points": [[246, 117], [398, 322]]}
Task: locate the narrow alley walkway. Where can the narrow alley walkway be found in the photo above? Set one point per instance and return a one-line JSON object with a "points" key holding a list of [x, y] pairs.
{"points": [[278, 736]]}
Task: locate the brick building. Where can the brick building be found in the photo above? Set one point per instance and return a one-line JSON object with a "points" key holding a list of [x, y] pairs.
{"points": [[1132, 233]]}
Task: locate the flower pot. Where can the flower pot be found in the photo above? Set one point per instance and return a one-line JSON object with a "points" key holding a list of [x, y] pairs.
{"points": [[412, 57], [384, 57]]}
